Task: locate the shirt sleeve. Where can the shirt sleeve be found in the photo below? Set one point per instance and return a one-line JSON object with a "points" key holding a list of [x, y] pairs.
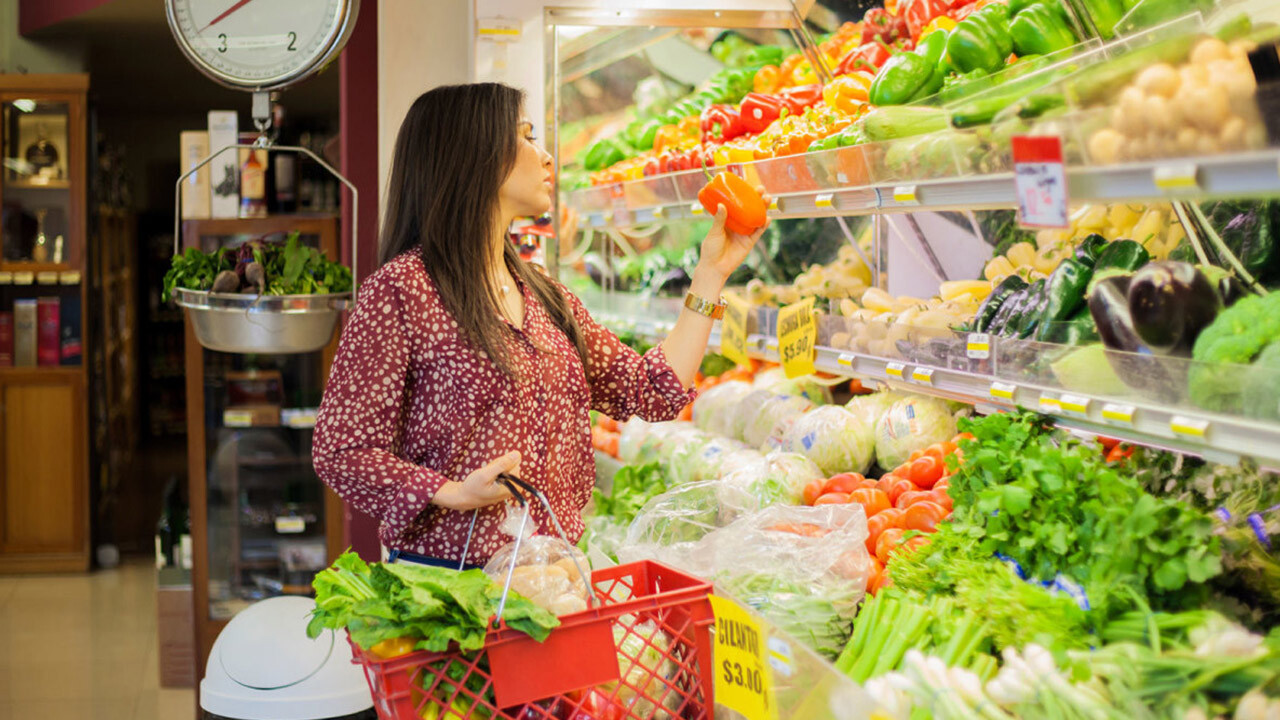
{"points": [[360, 427], [623, 382]]}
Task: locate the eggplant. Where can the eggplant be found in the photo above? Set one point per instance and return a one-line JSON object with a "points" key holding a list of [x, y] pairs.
{"points": [[1170, 303], [1109, 306], [1133, 362]]}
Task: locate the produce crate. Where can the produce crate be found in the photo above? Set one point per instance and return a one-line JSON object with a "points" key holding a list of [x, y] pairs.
{"points": [[547, 679]]}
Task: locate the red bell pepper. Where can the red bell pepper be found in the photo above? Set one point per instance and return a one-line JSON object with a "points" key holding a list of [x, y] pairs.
{"points": [[799, 98], [868, 56], [917, 13], [651, 167], [960, 12], [720, 123], [878, 24], [758, 110]]}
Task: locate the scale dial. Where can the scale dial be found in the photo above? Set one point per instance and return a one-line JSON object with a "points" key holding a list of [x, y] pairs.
{"points": [[260, 44]]}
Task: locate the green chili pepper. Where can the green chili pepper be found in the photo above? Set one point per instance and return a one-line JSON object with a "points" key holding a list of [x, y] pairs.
{"points": [[1040, 30], [602, 154], [1087, 251], [1026, 311], [1123, 254], [1064, 293], [1105, 14], [1075, 330], [934, 50]]}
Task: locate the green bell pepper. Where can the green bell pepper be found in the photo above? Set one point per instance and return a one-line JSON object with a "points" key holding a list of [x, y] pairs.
{"points": [[1017, 6], [602, 154], [765, 55], [1075, 330], [934, 50], [1126, 255], [1088, 250], [1040, 30], [981, 40], [1105, 14], [1064, 293], [641, 133], [899, 79]]}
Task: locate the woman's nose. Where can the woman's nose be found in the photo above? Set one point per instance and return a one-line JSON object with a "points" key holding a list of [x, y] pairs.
{"points": [[547, 160]]}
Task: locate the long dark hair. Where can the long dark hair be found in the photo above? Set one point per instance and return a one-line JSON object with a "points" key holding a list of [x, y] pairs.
{"points": [[455, 148]]}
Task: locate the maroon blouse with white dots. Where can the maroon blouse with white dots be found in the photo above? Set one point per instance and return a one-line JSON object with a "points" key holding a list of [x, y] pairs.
{"points": [[410, 404]]}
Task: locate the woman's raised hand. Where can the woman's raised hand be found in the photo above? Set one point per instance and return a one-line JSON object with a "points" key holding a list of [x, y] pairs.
{"points": [[481, 488], [724, 250]]}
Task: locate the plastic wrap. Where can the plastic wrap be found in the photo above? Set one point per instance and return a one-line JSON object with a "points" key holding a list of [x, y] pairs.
{"points": [[779, 479], [682, 450], [870, 408], [776, 381], [736, 425], [765, 429], [634, 433], [835, 439], [661, 439], [669, 527], [736, 460], [910, 425], [713, 408], [545, 571], [706, 465]]}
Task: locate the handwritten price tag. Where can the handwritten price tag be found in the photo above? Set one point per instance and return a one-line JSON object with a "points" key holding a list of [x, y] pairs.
{"points": [[797, 332], [733, 330], [1040, 181], [744, 682]]}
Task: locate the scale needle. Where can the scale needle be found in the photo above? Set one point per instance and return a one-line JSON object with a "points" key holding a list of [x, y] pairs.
{"points": [[230, 10]]}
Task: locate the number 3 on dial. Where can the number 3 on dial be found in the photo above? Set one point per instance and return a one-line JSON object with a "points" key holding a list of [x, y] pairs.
{"points": [[260, 44]]}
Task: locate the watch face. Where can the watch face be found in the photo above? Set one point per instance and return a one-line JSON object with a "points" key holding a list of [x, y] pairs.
{"points": [[260, 44]]}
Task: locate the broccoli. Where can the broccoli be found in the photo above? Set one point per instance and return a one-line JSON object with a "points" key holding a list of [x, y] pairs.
{"points": [[1235, 337]]}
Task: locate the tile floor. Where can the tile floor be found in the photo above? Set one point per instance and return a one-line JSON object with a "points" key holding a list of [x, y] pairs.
{"points": [[83, 647]]}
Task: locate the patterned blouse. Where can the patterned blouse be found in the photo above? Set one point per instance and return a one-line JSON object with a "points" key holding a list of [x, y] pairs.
{"points": [[411, 404]]}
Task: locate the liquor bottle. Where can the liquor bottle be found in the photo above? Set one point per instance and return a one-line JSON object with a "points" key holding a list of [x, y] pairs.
{"points": [[253, 187]]}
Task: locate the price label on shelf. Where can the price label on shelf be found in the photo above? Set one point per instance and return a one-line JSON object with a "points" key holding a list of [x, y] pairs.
{"points": [[237, 418], [1003, 391], [773, 204], [659, 212], [905, 195], [1039, 181], [1177, 177], [290, 525], [797, 332], [1118, 414], [895, 369], [744, 678], [978, 346], [826, 201], [1074, 404], [733, 329], [922, 375], [697, 209], [1050, 404], [845, 360], [1189, 427]]}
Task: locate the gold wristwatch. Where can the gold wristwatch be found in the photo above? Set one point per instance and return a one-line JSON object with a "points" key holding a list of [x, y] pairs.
{"points": [[703, 306]]}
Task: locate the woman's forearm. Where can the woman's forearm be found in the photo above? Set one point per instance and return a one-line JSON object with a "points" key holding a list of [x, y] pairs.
{"points": [[685, 345]]}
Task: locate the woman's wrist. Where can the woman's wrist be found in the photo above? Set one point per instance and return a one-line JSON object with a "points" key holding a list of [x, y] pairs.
{"points": [[451, 496], [707, 282]]}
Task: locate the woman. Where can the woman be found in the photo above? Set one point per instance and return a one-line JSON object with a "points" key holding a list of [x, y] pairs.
{"points": [[461, 361]]}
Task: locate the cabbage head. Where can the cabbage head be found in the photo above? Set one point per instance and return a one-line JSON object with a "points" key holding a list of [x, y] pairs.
{"points": [[835, 439], [910, 425]]}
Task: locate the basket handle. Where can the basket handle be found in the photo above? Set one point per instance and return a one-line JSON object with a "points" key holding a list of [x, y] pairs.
{"points": [[515, 485]]}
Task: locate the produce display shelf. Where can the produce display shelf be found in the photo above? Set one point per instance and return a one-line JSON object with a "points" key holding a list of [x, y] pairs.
{"points": [[1252, 174], [1215, 437]]}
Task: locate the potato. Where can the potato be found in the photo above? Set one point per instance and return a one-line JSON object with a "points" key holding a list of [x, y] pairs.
{"points": [[1208, 50], [1185, 140], [1132, 102], [570, 569], [1159, 79], [841, 339], [1232, 135], [566, 604], [1104, 146], [1159, 112], [1192, 76]]}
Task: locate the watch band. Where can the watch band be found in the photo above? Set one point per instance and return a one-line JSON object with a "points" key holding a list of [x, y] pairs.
{"points": [[703, 306]]}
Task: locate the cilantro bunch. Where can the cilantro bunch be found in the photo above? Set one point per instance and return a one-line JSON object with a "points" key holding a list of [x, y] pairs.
{"points": [[436, 606], [1051, 504]]}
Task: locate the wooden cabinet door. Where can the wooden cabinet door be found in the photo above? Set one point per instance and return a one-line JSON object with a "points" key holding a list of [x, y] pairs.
{"points": [[43, 493]]}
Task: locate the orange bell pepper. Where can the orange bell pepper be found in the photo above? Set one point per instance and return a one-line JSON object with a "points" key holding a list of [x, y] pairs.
{"points": [[766, 80], [803, 74], [746, 209], [848, 93], [668, 136], [787, 67], [891, 6]]}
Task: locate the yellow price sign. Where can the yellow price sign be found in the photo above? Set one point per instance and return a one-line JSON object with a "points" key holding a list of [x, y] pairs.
{"points": [[733, 330], [797, 333], [744, 682]]}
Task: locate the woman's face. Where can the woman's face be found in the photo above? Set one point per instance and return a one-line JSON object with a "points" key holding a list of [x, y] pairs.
{"points": [[527, 190]]}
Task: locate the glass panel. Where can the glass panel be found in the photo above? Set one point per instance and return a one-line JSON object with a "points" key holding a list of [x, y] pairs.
{"points": [[36, 182], [266, 525]]}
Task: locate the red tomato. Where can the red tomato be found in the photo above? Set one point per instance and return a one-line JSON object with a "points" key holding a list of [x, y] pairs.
{"points": [[925, 516], [889, 541], [871, 500], [949, 447], [881, 521], [597, 706], [832, 499], [1107, 443], [915, 455], [941, 497], [883, 581], [843, 483], [915, 543], [812, 491], [943, 484], [894, 486], [907, 499], [934, 451], [873, 577], [963, 436], [926, 471]]}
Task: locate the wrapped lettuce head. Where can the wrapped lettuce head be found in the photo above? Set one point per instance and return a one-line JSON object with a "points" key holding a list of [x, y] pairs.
{"points": [[738, 459], [910, 425], [706, 465], [870, 408], [775, 381], [657, 443], [835, 439], [712, 407], [747, 407], [771, 420], [634, 433], [779, 479], [685, 446]]}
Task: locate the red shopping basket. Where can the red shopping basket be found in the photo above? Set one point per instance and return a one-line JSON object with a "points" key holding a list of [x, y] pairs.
{"points": [[641, 675]]}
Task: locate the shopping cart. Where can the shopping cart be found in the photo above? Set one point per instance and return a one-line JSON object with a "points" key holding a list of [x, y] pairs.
{"points": [[642, 650]]}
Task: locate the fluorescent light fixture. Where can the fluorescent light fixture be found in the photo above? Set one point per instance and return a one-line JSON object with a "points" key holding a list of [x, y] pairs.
{"points": [[26, 105]]}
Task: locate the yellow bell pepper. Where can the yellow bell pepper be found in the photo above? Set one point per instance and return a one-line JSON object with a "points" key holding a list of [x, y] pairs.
{"points": [[942, 22], [848, 93]]}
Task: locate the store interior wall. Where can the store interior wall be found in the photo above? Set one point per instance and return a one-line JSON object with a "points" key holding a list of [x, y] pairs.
{"points": [[21, 55]]}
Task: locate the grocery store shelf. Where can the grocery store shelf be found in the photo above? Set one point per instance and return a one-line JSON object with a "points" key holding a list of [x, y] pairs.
{"points": [[635, 202], [1215, 437]]}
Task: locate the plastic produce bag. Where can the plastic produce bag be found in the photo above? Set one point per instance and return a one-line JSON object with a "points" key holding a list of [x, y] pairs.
{"points": [[643, 655], [747, 407], [834, 439], [634, 433], [545, 571], [669, 527], [707, 463], [776, 381], [870, 408], [779, 479], [736, 460], [910, 425], [712, 409], [661, 440], [682, 449], [766, 428]]}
